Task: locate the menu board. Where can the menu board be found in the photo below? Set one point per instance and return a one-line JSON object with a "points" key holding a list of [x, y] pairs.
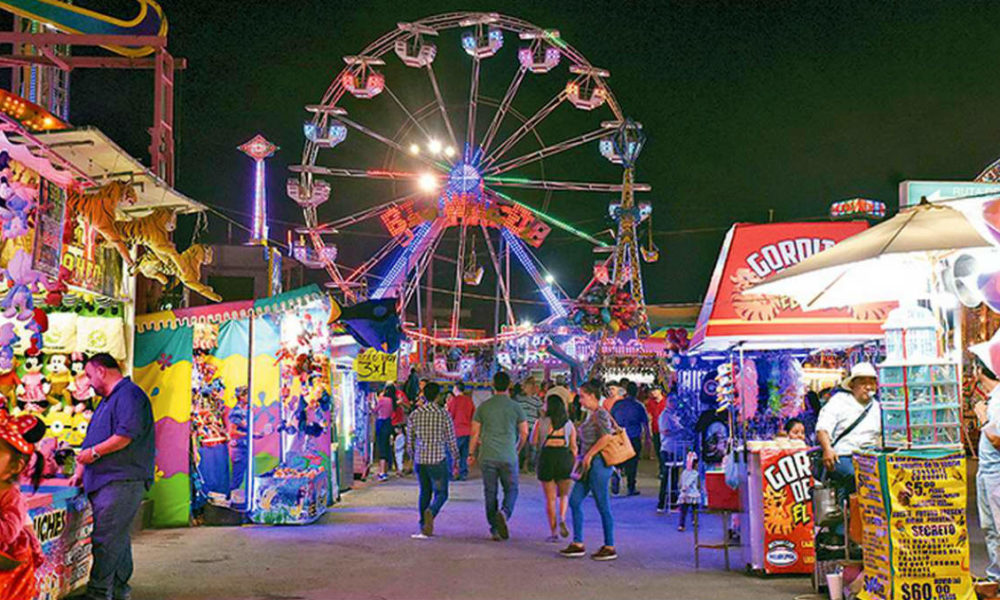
{"points": [[928, 528], [916, 543], [788, 518], [47, 251]]}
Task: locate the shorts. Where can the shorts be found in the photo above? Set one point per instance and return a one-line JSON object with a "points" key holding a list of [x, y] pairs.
{"points": [[554, 464]]}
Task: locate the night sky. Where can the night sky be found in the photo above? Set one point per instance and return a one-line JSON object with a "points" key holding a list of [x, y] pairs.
{"points": [[748, 107]]}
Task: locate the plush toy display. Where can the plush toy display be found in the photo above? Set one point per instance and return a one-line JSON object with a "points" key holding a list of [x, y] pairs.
{"points": [[187, 270], [98, 210], [60, 379], [22, 281], [33, 391], [79, 388]]}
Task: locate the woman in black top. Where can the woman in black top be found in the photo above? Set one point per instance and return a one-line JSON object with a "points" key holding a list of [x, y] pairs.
{"points": [[555, 438]]}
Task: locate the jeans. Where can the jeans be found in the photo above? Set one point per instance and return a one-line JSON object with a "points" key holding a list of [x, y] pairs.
{"points": [[631, 466], [433, 481], [463, 456], [115, 506], [506, 474], [842, 478], [988, 492], [656, 450], [596, 483], [666, 464]]}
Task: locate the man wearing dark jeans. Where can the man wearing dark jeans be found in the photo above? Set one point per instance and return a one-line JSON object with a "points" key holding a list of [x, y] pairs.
{"points": [[671, 449], [631, 416], [499, 430], [430, 435], [116, 469]]}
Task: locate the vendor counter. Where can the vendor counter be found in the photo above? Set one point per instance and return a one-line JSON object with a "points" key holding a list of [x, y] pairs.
{"points": [[63, 521], [777, 501]]}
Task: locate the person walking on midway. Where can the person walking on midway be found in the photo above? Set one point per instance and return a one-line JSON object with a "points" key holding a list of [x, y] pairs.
{"points": [[429, 435], [555, 438], [500, 428], [594, 434], [631, 416], [384, 407], [115, 465], [461, 408], [526, 394]]}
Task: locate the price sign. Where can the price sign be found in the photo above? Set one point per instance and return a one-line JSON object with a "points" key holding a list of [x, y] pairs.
{"points": [[372, 365]]}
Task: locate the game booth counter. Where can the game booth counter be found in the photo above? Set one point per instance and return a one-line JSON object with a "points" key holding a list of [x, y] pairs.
{"points": [[251, 437], [765, 352]]}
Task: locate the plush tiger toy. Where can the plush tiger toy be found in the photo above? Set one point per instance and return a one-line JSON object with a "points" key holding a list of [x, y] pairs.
{"points": [[189, 272], [97, 209], [153, 231]]}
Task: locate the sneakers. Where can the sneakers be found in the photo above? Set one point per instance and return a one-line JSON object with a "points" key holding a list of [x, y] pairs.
{"points": [[573, 551], [428, 527], [500, 524], [563, 530], [383, 477], [495, 537], [633, 492], [680, 528], [605, 553], [420, 536], [660, 510], [552, 539]]}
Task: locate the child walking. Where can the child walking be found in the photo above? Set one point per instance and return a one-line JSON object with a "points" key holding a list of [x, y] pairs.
{"points": [[20, 552], [690, 488]]}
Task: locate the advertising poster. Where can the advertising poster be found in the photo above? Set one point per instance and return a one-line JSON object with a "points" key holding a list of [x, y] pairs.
{"points": [[875, 540], [788, 518], [49, 228], [928, 528], [63, 520]]}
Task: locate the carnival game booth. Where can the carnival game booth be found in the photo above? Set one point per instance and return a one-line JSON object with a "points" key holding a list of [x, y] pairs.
{"points": [[252, 431], [763, 343]]}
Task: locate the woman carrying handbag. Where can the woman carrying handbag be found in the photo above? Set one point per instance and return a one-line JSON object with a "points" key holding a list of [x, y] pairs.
{"points": [[592, 473]]}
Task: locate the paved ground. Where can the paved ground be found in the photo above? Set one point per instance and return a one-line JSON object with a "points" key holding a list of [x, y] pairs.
{"points": [[362, 550]]}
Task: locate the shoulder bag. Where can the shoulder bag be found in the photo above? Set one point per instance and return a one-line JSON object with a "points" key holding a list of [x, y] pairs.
{"points": [[619, 449]]}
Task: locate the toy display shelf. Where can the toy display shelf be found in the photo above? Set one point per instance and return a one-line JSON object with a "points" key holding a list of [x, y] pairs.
{"points": [[927, 390]]}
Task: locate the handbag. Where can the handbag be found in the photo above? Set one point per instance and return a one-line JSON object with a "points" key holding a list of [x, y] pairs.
{"points": [[619, 449]]}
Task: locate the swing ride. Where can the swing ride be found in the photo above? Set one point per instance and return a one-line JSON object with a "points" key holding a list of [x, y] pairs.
{"points": [[450, 174]]}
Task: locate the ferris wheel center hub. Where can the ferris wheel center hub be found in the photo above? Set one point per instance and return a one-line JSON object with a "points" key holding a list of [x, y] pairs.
{"points": [[465, 179]]}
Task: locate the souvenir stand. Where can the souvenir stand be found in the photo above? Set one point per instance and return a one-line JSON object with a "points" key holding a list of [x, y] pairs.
{"points": [[913, 493], [252, 433], [763, 342], [66, 295]]}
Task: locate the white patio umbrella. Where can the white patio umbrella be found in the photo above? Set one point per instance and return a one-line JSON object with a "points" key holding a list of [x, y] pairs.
{"points": [[891, 261]]}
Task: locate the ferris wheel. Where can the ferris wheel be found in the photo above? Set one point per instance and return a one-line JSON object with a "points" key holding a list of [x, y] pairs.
{"points": [[448, 138]]}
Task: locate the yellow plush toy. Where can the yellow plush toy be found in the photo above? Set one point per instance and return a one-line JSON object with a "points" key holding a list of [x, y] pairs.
{"points": [[59, 421]]}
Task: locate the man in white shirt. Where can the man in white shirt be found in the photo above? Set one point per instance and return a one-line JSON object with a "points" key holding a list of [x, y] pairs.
{"points": [[853, 404]]}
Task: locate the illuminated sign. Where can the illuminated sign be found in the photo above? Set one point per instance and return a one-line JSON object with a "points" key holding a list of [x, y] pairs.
{"points": [[460, 208]]}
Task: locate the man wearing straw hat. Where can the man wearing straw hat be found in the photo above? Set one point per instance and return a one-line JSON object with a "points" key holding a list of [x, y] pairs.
{"points": [[850, 420]]}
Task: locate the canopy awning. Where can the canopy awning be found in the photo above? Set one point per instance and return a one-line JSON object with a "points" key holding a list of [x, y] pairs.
{"points": [[95, 155], [750, 254]]}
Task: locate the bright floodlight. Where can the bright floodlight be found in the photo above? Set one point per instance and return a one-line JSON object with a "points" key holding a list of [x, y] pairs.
{"points": [[526, 324], [434, 146], [427, 182], [414, 149], [549, 278], [449, 151]]}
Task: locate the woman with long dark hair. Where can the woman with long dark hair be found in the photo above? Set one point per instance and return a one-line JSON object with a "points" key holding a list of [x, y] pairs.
{"points": [[554, 437], [594, 475]]}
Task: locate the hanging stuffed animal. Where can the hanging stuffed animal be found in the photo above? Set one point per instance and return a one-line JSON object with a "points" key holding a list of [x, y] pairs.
{"points": [[31, 394], [60, 379], [79, 388], [23, 281], [154, 232], [188, 273], [97, 209]]}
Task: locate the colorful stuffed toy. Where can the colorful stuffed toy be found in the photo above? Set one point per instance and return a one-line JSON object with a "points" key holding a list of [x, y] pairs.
{"points": [[80, 388], [33, 391], [60, 379], [97, 209], [23, 281]]}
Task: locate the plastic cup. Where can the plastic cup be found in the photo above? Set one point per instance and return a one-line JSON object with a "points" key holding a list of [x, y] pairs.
{"points": [[835, 584]]}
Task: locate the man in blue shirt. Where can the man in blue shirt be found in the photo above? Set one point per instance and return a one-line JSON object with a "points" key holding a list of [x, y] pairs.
{"points": [[631, 416], [988, 476], [115, 466]]}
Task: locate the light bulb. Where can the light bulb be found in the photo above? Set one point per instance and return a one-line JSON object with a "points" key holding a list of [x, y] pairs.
{"points": [[434, 146], [427, 182], [449, 151], [414, 149]]}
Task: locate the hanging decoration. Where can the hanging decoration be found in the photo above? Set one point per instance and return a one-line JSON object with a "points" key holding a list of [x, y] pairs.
{"points": [[747, 389], [606, 307]]}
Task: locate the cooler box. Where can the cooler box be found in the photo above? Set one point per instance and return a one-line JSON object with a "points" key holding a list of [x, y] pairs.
{"points": [[719, 495]]}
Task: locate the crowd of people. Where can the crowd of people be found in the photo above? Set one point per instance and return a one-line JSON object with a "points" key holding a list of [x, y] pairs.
{"points": [[531, 427]]}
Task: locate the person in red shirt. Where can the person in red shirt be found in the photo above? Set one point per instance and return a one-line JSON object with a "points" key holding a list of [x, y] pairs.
{"points": [[461, 409], [655, 404]]}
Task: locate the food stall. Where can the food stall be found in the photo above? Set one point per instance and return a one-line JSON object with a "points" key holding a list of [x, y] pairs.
{"points": [[258, 412], [764, 342]]}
